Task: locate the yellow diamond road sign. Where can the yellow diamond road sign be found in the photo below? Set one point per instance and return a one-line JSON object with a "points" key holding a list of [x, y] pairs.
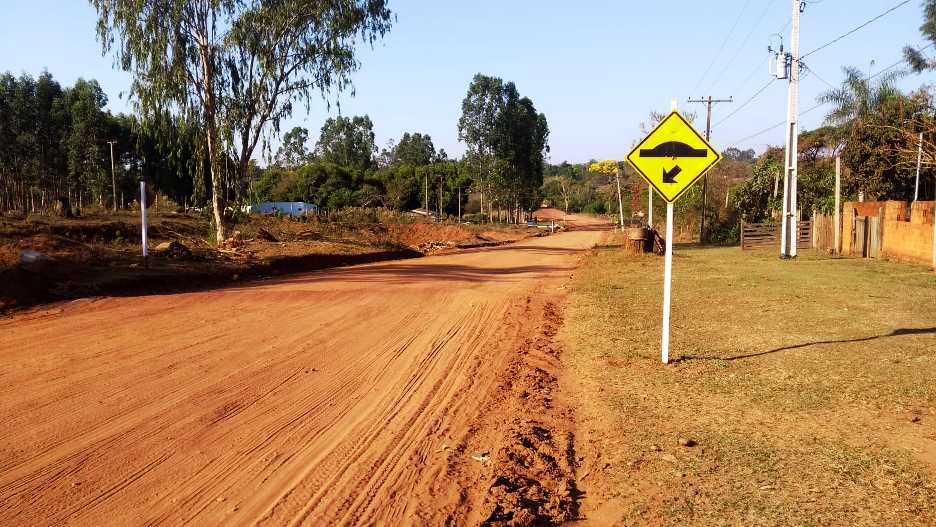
{"points": [[673, 156]]}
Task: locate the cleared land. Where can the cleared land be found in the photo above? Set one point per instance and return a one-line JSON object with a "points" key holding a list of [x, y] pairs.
{"points": [[809, 388], [99, 253], [420, 391]]}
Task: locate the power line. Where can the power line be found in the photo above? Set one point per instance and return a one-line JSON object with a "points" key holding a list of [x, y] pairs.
{"points": [[816, 75], [833, 41], [743, 42], [773, 126], [748, 101], [899, 62], [722, 47]]}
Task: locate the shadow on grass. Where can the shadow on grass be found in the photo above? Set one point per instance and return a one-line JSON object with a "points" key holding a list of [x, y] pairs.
{"points": [[895, 333]]}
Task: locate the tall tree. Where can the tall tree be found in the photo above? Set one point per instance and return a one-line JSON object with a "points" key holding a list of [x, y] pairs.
{"points": [[414, 149], [235, 66], [293, 152], [348, 142], [480, 108]]}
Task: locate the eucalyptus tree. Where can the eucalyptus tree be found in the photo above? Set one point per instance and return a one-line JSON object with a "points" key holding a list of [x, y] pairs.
{"points": [[414, 149], [349, 142], [520, 141], [237, 67], [292, 152], [480, 109]]}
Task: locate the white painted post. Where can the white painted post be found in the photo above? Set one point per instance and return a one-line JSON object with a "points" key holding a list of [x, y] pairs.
{"points": [[143, 216], [649, 206], [667, 280]]}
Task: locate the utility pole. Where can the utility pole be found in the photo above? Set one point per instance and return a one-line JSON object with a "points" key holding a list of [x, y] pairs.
{"points": [[916, 187], [788, 230], [427, 195], [440, 198], [459, 204], [837, 221], [709, 101], [617, 179], [114, 177]]}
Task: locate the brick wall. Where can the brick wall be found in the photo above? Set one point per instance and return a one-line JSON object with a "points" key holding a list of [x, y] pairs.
{"points": [[904, 241]]}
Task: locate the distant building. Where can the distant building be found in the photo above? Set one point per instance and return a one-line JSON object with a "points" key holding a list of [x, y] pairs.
{"points": [[422, 212], [287, 208]]}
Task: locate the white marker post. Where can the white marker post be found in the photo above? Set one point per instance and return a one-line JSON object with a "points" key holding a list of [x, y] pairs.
{"points": [[667, 280], [649, 206], [667, 274], [143, 218]]}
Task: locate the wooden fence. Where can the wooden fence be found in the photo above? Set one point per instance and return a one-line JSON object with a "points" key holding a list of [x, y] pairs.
{"points": [[768, 235], [823, 235]]}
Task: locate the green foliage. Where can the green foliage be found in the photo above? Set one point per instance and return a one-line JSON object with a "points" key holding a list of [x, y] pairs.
{"points": [[54, 142], [293, 152], [237, 67], [917, 60], [754, 199], [414, 149], [348, 142]]}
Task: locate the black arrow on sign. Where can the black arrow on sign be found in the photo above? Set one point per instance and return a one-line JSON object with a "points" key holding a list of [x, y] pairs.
{"points": [[670, 177]]}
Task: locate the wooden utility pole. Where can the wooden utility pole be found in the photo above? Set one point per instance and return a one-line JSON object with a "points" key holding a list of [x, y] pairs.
{"points": [[916, 187], [837, 221], [440, 198], [709, 101], [617, 178], [113, 175]]}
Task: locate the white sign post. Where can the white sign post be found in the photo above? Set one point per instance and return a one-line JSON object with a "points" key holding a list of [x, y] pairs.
{"points": [[667, 280], [671, 159], [143, 217]]}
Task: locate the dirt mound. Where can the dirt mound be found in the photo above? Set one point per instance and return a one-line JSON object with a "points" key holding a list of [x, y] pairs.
{"points": [[415, 234]]}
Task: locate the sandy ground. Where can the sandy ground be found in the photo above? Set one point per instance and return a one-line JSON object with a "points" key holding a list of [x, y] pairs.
{"points": [[360, 395]]}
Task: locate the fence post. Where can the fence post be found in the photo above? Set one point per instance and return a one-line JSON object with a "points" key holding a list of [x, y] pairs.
{"points": [[742, 235]]}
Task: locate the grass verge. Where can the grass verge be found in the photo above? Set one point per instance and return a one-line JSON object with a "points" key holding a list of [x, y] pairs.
{"points": [[809, 388]]}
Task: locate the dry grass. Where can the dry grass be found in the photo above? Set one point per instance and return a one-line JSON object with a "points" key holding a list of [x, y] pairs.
{"points": [[810, 387]]}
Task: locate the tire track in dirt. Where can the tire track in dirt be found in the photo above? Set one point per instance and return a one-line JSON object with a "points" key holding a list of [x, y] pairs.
{"points": [[324, 398]]}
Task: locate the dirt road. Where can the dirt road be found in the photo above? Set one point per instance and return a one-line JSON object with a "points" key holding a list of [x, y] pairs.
{"points": [[352, 396]]}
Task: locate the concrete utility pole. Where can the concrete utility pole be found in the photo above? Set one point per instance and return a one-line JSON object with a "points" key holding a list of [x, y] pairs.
{"points": [[459, 204], [916, 187], [114, 176], [709, 101], [788, 230]]}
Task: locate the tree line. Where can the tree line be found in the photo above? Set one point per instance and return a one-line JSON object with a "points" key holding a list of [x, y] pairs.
{"points": [[56, 144]]}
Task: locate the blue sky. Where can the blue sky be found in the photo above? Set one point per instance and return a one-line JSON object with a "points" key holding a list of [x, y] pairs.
{"points": [[595, 68]]}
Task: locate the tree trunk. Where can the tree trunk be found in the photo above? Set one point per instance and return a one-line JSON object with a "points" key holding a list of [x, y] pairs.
{"points": [[217, 201]]}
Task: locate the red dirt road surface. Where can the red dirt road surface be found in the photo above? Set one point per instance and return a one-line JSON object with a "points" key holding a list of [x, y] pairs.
{"points": [[376, 394]]}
